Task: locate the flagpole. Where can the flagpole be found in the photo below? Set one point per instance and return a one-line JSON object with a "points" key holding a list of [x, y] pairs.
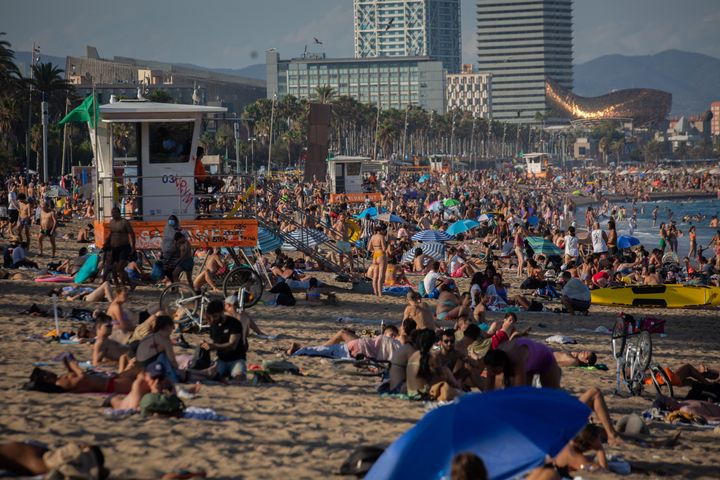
{"points": [[64, 148], [97, 154]]}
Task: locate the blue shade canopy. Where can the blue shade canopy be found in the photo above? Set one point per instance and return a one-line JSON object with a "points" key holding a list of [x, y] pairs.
{"points": [[433, 249], [626, 241], [431, 236], [371, 210], [511, 430]]}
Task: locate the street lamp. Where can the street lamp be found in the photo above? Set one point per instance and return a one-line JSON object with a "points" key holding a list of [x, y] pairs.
{"points": [[272, 120], [252, 154]]}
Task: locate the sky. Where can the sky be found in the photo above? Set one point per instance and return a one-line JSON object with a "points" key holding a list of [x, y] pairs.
{"points": [[236, 33]]}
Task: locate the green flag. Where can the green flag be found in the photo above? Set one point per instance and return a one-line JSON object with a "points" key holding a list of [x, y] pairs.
{"points": [[83, 112]]}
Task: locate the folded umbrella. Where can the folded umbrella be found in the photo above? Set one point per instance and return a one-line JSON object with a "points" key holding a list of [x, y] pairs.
{"points": [[431, 236], [626, 241], [511, 430]]}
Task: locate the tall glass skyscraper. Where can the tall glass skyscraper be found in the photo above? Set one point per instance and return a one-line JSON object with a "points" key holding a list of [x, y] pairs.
{"points": [[409, 28], [521, 42]]}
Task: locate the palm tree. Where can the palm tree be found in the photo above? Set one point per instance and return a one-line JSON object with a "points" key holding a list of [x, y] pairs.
{"points": [[48, 79], [324, 94], [9, 114], [617, 147], [604, 146], [9, 73]]}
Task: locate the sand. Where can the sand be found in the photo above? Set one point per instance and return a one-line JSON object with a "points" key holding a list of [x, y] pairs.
{"points": [[304, 427]]}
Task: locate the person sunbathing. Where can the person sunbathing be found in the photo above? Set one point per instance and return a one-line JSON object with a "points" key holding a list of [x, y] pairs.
{"points": [[687, 375], [106, 349], [573, 457], [29, 459], [584, 358], [708, 410], [77, 380], [152, 380], [399, 358], [346, 344], [519, 360]]}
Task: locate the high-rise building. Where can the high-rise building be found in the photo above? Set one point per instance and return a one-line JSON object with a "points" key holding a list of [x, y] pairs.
{"points": [[409, 28], [470, 91], [715, 121], [391, 82], [521, 42]]}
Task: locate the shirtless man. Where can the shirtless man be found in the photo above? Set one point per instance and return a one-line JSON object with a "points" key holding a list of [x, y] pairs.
{"points": [[652, 277], [76, 380], [575, 359], [340, 236], [419, 311], [48, 226], [422, 262], [25, 218], [106, 349], [118, 245], [213, 263]]}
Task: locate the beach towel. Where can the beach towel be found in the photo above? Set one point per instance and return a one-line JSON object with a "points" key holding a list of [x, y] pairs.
{"points": [[597, 366], [561, 339], [396, 291]]}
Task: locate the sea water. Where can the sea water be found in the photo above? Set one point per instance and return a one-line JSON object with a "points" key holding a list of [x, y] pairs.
{"points": [[649, 235]]}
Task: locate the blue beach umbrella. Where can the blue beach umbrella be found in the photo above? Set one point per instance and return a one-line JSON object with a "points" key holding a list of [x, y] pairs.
{"points": [[462, 226], [511, 430], [390, 218], [626, 241], [533, 221], [268, 241], [543, 246], [424, 178], [434, 250], [431, 236]]}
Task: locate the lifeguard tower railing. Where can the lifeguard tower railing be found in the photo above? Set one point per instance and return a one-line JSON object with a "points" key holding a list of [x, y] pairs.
{"points": [[223, 211]]}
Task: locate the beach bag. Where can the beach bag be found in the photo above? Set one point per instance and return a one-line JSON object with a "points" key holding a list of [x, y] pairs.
{"points": [[162, 404], [200, 359], [72, 462], [157, 271], [360, 461], [280, 366]]}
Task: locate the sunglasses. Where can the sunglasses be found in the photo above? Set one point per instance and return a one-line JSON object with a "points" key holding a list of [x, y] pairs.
{"points": [[448, 341]]}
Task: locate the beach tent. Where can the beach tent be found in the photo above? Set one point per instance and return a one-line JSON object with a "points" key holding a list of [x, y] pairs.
{"points": [[451, 202], [434, 250], [462, 226], [543, 246], [511, 430], [431, 236]]}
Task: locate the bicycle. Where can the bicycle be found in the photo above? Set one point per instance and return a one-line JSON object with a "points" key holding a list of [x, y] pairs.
{"points": [[244, 278], [633, 358], [363, 367], [182, 304]]}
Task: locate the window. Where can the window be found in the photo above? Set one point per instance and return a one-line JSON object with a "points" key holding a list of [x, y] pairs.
{"points": [[170, 142]]}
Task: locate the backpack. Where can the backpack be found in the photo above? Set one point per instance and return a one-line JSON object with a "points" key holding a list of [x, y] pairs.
{"points": [[162, 404], [360, 461]]}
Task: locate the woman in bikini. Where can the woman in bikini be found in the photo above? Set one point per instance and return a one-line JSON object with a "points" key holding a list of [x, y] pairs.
{"points": [[122, 325], [451, 307], [377, 246]]}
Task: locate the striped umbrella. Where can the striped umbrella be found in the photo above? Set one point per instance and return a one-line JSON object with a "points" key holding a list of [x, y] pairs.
{"points": [[542, 246], [309, 237], [431, 236], [434, 250], [268, 241]]}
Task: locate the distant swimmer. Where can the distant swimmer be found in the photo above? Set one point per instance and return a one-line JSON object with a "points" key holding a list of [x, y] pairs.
{"points": [[714, 222]]}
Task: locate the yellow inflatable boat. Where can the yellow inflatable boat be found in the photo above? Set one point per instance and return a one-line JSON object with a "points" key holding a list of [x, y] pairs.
{"points": [[664, 296]]}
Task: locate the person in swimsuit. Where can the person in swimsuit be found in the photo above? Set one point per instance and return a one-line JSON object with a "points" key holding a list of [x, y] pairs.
{"points": [[122, 324], [377, 246], [48, 225], [419, 311], [423, 370], [77, 380], [399, 358], [213, 264], [32, 460], [451, 307], [118, 245], [519, 360], [572, 458]]}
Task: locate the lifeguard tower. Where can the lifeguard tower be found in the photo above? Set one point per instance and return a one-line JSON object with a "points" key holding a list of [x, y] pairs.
{"points": [[345, 175], [537, 165], [159, 143]]}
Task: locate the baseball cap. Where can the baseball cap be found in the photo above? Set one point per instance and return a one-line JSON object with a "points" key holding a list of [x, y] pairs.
{"points": [[232, 300]]}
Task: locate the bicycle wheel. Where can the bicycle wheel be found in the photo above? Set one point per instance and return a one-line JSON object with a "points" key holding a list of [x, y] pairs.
{"points": [[175, 297], [644, 344], [661, 381], [362, 368], [619, 339], [247, 278]]}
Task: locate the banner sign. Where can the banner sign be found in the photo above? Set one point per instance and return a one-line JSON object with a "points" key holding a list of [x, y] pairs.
{"points": [[236, 232], [355, 197]]}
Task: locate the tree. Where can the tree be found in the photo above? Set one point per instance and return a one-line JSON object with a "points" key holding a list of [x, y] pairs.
{"points": [[9, 73], [653, 151], [9, 113], [324, 94], [160, 96], [617, 146]]}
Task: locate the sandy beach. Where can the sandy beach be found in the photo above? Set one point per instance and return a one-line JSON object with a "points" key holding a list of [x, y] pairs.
{"points": [[305, 426]]}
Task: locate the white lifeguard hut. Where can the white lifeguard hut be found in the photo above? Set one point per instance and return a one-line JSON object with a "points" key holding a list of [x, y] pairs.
{"points": [[345, 174], [537, 165], [165, 138]]}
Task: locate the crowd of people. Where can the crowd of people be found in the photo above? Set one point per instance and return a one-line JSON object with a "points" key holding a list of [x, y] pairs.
{"points": [[446, 343]]}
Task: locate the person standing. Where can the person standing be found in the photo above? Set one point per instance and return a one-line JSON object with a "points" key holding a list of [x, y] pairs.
{"points": [[599, 240], [118, 245], [48, 226], [378, 246], [13, 208], [693, 242], [572, 246]]}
